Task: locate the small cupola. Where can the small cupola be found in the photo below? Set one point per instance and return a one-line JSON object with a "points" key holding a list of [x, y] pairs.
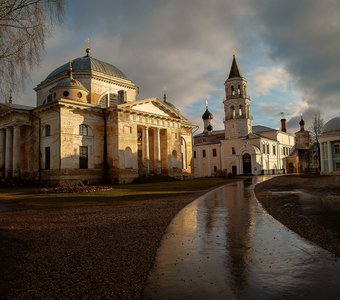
{"points": [[70, 88], [207, 114], [207, 117]]}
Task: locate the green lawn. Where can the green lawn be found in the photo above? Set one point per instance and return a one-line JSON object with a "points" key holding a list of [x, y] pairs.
{"points": [[117, 195]]}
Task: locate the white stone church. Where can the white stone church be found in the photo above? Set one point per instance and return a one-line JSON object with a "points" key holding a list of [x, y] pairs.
{"points": [[240, 148], [88, 126]]}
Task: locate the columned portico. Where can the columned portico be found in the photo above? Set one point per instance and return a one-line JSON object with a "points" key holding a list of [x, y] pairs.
{"points": [[322, 157], [330, 158], [158, 169], [16, 151], [146, 150], [2, 152], [9, 152]]}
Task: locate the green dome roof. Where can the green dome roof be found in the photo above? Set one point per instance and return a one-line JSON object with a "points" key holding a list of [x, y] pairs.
{"points": [[88, 64], [332, 126]]}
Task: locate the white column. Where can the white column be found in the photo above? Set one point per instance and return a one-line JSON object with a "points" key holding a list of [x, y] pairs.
{"points": [[330, 158], [240, 165], [322, 162], [16, 151], [9, 152], [2, 152], [222, 158], [158, 151], [146, 149]]}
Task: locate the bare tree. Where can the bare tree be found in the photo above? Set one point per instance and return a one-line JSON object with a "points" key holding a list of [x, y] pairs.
{"points": [[316, 128], [24, 26]]}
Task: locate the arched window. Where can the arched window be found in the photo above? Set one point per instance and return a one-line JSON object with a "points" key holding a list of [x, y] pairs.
{"points": [[128, 158], [232, 111], [232, 90], [240, 110], [239, 89], [83, 130]]}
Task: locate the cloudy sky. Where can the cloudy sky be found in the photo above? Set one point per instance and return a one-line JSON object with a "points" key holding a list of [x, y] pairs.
{"points": [[288, 50]]}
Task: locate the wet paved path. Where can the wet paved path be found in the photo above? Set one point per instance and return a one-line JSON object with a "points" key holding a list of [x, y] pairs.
{"points": [[225, 246]]}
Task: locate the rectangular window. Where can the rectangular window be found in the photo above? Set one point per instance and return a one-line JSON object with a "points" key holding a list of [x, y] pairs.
{"points": [[337, 166], [215, 169], [203, 153], [267, 149], [83, 157], [47, 158], [214, 153], [274, 150], [337, 149], [194, 154], [233, 150], [263, 148], [47, 130]]}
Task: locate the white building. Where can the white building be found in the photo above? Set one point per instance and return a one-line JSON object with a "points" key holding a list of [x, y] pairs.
{"points": [[240, 148], [88, 126], [330, 147]]}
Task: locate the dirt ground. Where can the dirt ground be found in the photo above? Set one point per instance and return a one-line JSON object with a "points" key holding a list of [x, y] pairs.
{"points": [[105, 251], [308, 205], [101, 251]]}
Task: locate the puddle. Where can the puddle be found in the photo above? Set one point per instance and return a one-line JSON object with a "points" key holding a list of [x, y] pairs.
{"points": [[225, 246]]}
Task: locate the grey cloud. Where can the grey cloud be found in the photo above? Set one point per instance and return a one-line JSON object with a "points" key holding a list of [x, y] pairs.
{"points": [[187, 45], [304, 36]]}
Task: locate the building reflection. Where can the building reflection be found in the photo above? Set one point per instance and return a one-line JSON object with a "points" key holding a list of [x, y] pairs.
{"points": [[239, 227]]}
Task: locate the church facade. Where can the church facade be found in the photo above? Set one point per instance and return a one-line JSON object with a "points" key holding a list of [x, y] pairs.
{"points": [[240, 148], [330, 147], [88, 126]]}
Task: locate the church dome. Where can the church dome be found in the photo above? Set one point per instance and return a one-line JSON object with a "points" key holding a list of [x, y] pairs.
{"points": [[332, 126], [87, 64], [207, 115]]}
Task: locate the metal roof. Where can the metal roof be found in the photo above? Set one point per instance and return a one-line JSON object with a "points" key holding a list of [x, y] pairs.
{"points": [[332, 126], [260, 128], [88, 64]]}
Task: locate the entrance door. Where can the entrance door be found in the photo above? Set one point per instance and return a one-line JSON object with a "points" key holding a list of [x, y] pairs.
{"points": [[246, 163], [234, 170]]}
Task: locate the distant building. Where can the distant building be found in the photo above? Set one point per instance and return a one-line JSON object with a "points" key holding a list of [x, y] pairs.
{"points": [[330, 147], [240, 148], [304, 157], [88, 126]]}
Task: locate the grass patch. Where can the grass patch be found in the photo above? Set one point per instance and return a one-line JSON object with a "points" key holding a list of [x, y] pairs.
{"points": [[116, 196]]}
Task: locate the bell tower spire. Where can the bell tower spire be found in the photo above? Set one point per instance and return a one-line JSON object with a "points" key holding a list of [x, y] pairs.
{"points": [[236, 104]]}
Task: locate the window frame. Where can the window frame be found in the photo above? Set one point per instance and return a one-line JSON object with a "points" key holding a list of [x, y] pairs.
{"points": [[83, 130], [83, 157]]}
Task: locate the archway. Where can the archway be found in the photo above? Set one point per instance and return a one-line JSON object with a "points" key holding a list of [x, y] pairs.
{"points": [[246, 158]]}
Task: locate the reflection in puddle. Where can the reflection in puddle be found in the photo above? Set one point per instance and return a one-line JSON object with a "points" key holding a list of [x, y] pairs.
{"points": [[224, 246]]}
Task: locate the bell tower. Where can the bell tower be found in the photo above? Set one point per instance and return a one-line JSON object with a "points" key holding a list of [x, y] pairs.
{"points": [[237, 122]]}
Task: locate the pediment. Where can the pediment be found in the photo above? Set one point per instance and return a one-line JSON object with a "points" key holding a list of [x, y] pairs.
{"points": [[4, 108], [150, 107], [156, 107]]}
